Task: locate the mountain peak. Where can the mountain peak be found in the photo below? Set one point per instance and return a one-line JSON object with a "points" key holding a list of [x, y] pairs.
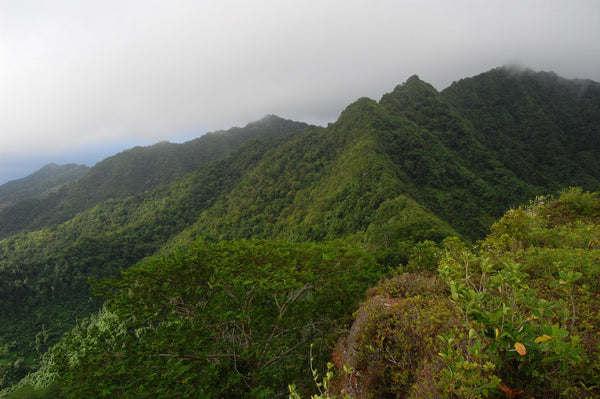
{"points": [[409, 95], [413, 89], [275, 125], [414, 79], [267, 119], [415, 83]]}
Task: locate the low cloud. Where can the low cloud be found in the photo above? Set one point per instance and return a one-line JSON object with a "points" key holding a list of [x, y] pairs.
{"points": [[75, 73]]}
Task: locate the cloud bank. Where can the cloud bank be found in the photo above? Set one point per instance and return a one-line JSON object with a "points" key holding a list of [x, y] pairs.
{"points": [[77, 73]]}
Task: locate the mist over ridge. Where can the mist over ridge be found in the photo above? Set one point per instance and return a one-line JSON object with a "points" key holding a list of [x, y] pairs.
{"points": [[387, 181]]}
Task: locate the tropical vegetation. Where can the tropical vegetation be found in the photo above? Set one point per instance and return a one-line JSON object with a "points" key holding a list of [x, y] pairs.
{"points": [[393, 253]]}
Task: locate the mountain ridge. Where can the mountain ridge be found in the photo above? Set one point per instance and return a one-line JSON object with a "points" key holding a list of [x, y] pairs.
{"points": [[49, 177], [133, 171], [418, 165]]}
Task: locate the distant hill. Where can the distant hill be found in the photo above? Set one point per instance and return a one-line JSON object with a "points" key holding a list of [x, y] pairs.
{"points": [[132, 172], [50, 177], [416, 165]]}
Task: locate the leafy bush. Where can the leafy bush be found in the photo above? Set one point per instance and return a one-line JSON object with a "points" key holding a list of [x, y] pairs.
{"points": [[518, 315], [515, 337], [231, 319]]}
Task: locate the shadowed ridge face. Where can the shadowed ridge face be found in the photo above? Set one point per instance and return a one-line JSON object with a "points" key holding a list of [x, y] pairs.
{"points": [[530, 118], [419, 102]]}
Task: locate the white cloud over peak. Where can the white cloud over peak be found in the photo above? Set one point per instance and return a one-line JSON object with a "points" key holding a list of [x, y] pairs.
{"points": [[75, 73]]}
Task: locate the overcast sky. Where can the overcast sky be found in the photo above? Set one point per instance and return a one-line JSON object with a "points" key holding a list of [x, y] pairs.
{"points": [[84, 79]]}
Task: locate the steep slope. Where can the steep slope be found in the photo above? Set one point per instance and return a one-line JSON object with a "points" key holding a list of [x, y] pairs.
{"points": [[324, 184], [44, 274], [543, 128], [50, 177], [358, 176], [134, 171], [417, 165], [312, 185], [446, 165], [413, 153]]}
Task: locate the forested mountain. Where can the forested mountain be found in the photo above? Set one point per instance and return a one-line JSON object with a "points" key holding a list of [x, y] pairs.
{"points": [[386, 180], [48, 178], [132, 172], [541, 127]]}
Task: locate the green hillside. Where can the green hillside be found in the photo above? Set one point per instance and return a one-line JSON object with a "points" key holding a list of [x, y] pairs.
{"points": [[48, 178], [44, 273], [515, 316], [543, 128], [135, 171], [386, 181]]}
